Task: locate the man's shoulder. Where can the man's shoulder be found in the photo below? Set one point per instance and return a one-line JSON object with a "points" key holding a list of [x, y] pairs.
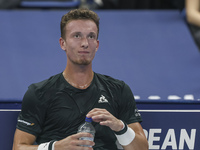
{"points": [[109, 80], [42, 91], [45, 84]]}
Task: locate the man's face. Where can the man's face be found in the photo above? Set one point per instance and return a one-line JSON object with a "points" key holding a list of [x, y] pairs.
{"points": [[80, 41]]}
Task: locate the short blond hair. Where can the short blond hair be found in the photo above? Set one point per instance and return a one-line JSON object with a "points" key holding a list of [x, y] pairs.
{"points": [[77, 14]]}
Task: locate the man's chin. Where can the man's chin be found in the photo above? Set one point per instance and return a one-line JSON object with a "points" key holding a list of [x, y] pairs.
{"points": [[83, 62]]}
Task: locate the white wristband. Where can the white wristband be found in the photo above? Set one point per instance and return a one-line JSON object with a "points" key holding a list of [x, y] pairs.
{"points": [[126, 138], [47, 146], [43, 146]]}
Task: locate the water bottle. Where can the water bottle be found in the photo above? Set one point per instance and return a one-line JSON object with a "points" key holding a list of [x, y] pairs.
{"points": [[87, 127]]}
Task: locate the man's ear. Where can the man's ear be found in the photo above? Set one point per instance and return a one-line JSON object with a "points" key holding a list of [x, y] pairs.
{"points": [[97, 45], [62, 43]]}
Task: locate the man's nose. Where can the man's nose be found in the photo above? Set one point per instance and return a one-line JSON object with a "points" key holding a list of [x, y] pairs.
{"points": [[84, 42]]}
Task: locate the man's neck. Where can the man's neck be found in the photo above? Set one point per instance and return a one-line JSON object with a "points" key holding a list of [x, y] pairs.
{"points": [[79, 78]]}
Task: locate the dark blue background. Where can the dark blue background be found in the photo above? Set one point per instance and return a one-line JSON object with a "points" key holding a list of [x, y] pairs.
{"points": [[152, 51]]}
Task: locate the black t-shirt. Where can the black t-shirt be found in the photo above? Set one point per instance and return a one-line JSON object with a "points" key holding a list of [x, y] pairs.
{"points": [[53, 109]]}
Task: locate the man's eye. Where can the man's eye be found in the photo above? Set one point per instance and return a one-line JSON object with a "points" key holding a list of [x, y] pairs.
{"points": [[91, 36], [77, 36]]}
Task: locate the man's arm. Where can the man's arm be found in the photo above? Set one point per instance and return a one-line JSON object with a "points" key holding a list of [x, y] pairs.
{"points": [[140, 141], [105, 118], [24, 141], [192, 12]]}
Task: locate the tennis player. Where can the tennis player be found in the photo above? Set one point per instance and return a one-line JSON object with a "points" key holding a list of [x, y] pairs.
{"points": [[53, 109]]}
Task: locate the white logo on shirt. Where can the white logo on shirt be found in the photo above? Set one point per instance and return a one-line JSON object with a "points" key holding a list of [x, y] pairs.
{"points": [[102, 99], [25, 122]]}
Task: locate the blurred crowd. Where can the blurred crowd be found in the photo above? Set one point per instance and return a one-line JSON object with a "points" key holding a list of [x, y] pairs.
{"points": [[192, 8], [134, 4], [109, 4]]}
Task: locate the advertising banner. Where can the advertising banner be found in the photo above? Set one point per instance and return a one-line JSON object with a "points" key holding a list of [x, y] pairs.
{"points": [[172, 129], [164, 129]]}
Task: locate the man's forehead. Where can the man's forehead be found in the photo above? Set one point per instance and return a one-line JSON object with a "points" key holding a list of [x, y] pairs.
{"points": [[81, 25], [81, 21]]}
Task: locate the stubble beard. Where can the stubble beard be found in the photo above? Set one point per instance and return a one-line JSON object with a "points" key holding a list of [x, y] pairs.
{"points": [[83, 62]]}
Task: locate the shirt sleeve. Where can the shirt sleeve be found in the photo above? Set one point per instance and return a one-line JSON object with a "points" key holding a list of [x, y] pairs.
{"points": [[32, 113], [128, 109]]}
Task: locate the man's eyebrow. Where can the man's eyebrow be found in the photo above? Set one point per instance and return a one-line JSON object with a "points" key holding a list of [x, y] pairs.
{"points": [[80, 33], [76, 32], [93, 33]]}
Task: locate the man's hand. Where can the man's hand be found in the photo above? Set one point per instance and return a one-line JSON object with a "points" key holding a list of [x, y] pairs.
{"points": [[73, 143], [105, 118]]}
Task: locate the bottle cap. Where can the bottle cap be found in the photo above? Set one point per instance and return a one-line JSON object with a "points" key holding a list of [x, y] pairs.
{"points": [[88, 119]]}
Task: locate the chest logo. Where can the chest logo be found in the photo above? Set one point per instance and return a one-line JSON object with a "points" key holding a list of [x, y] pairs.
{"points": [[102, 99]]}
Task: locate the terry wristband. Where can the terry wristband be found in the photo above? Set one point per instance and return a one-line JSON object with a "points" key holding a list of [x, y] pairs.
{"points": [[47, 146], [125, 136]]}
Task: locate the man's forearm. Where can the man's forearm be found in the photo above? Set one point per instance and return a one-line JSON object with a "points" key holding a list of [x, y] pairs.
{"points": [[139, 143], [25, 147]]}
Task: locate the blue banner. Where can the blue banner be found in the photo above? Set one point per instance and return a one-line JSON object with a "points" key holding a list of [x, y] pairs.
{"points": [[172, 129], [164, 129]]}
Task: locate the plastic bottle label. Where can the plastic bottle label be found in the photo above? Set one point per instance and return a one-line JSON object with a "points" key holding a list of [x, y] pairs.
{"points": [[87, 138]]}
